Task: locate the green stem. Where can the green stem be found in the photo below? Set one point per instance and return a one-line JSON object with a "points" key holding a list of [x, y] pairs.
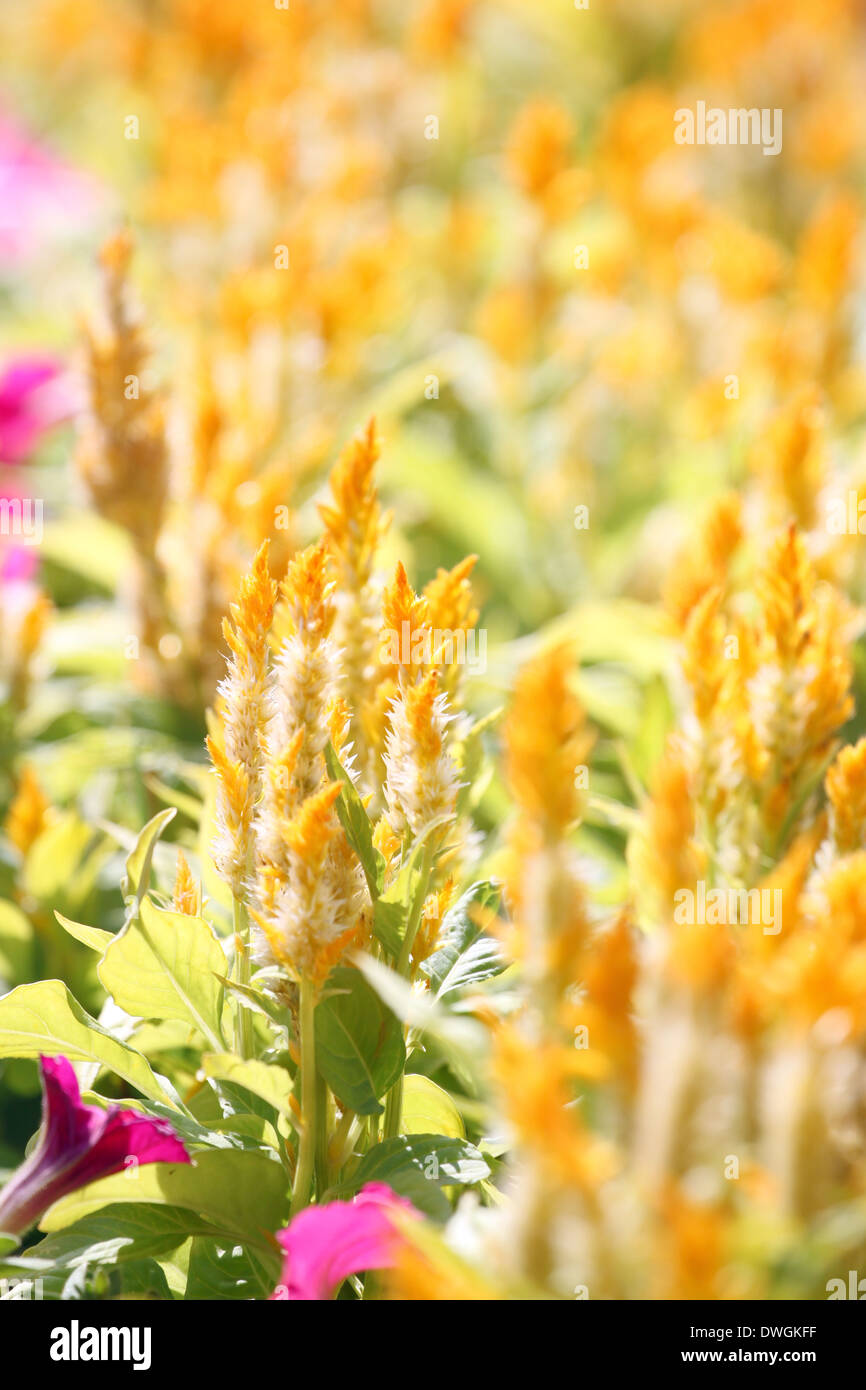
{"points": [[415, 915], [394, 1103], [393, 1109], [309, 1088], [322, 1126], [341, 1144], [243, 1020]]}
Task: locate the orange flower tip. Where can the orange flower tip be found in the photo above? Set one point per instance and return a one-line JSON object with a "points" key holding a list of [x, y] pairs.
{"points": [[330, 792], [116, 251]]}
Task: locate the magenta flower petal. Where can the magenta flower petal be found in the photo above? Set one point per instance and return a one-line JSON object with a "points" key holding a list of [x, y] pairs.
{"points": [[17, 563], [77, 1144], [30, 405], [41, 197], [325, 1244]]}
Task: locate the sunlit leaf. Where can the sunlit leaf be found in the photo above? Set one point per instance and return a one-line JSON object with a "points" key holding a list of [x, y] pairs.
{"points": [[45, 1018], [164, 965]]}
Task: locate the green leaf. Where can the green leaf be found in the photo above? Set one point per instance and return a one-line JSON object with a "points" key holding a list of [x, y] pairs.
{"points": [[356, 823], [462, 1040], [248, 996], [359, 1043], [121, 1231], [389, 922], [135, 881], [89, 1278], [269, 1083], [467, 954], [54, 859], [187, 1128], [219, 1271], [242, 1194], [182, 801], [419, 1165], [657, 716], [17, 945], [427, 1109], [476, 770], [175, 1267], [45, 1018], [85, 544], [213, 886], [138, 1279], [93, 937], [605, 811], [250, 1130], [165, 965], [391, 910]]}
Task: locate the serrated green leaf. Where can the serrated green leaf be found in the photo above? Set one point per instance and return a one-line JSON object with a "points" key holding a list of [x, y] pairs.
{"points": [[164, 965], [45, 1018], [359, 1043], [467, 955]]}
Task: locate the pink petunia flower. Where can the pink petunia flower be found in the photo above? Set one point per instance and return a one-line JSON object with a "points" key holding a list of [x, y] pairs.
{"points": [[34, 396], [77, 1144], [41, 198], [324, 1245]]}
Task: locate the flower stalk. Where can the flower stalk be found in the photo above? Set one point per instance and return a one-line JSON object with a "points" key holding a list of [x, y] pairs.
{"points": [[309, 1097], [243, 1021], [394, 1103]]}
